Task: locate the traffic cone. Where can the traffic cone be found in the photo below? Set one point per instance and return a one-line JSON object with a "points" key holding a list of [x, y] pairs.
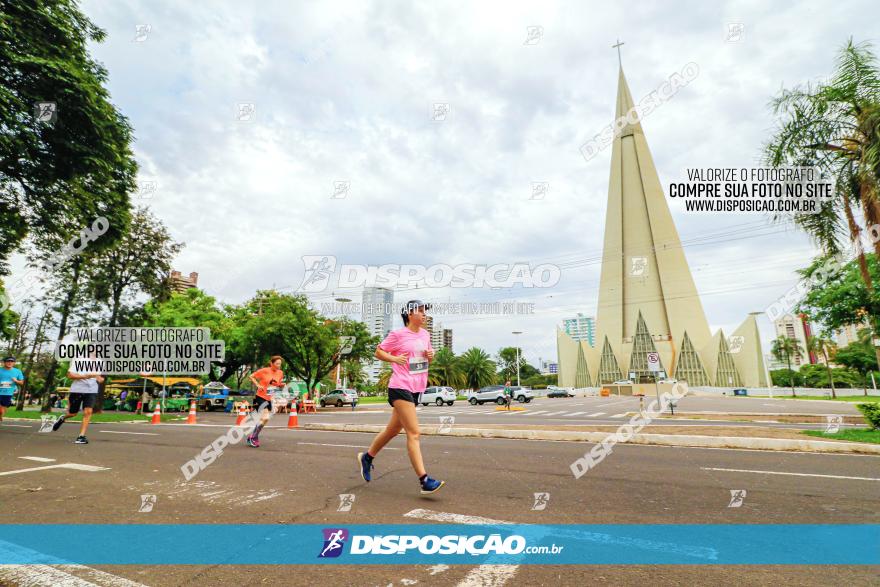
{"points": [[191, 419], [293, 421], [157, 415], [241, 415]]}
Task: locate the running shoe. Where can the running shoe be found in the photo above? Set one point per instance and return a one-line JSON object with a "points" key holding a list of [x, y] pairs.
{"points": [[364, 466], [431, 485], [81, 440], [254, 442], [57, 423]]}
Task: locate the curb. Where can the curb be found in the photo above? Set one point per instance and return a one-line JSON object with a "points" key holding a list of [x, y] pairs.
{"points": [[777, 444]]}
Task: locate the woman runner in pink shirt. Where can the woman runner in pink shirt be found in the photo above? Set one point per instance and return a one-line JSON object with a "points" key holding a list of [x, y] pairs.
{"points": [[409, 351]]}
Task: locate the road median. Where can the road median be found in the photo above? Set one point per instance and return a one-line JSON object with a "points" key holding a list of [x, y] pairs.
{"points": [[666, 439]]}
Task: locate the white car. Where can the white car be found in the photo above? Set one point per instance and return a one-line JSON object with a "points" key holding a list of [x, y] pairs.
{"points": [[438, 395]]}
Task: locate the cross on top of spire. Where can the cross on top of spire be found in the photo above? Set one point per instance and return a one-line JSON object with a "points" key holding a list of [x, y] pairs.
{"points": [[617, 46]]}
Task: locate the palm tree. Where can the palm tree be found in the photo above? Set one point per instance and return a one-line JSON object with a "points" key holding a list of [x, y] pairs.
{"points": [[445, 370], [835, 126], [783, 348], [384, 378], [478, 368], [825, 347]]}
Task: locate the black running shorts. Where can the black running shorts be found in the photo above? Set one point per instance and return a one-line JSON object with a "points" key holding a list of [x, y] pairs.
{"points": [[84, 400], [406, 394]]}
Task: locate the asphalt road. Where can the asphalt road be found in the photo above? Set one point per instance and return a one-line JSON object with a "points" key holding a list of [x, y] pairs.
{"points": [[584, 411], [297, 477]]}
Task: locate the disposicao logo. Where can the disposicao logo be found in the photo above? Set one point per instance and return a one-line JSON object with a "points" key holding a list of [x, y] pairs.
{"points": [[334, 542]]}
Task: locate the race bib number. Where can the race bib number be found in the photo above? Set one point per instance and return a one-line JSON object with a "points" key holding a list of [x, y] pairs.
{"points": [[418, 365], [5, 384]]}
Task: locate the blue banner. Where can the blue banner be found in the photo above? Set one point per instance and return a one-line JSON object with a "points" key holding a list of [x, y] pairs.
{"points": [[376, 544]]}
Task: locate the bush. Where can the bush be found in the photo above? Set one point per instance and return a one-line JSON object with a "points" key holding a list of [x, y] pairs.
{"points": [[872, 414]]}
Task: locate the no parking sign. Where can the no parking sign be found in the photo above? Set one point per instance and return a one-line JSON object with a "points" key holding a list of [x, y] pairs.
{"points": [[653, 362]]}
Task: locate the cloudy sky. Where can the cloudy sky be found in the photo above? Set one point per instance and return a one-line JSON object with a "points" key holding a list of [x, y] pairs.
{"points": [[345, 92]]}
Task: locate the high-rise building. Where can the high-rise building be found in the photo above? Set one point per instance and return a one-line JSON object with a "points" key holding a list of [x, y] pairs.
{"points": [[181, 283], [648, 302], [447, 338], [797, 328], [847, 334], [581, 328], [378, 315]]}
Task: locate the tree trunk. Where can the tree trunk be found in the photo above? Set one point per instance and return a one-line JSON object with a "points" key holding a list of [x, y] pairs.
{"points": [[855, 233], [830, 375], [871, 209], [62, 329], [35, 349]]}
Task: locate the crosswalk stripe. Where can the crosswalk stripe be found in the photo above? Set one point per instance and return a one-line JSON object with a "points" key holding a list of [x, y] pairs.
{"points": [[618, 416], [533, 413], [596, 415], [554, 413], [574, 414]]}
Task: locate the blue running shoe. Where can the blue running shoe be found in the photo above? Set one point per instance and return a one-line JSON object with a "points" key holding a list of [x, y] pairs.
{"points": [[431, 485], [364, 466]]}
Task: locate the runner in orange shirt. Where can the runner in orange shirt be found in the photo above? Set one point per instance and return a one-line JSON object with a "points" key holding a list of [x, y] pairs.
{"points": [[270, 376]]}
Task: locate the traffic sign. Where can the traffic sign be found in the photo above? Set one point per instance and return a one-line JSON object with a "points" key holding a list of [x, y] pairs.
{"points": [[653, 362]]}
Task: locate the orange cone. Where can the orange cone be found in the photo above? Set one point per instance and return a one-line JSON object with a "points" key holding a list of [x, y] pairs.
{"points": [[157, 415], [293, 421], [191, 419], [241, 415]]}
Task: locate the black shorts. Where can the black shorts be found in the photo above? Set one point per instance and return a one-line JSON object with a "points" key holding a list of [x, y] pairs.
{"points": [[261, 402], [84, 400], [406, 394], [5, 400]]}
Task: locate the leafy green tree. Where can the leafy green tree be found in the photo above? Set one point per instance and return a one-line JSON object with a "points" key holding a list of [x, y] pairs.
{"points": [[507, 363], [196, 309], [478, 368], [310, 344], [826, 348], [135, 265], [859, 355], [839, 298], [783, 349], [58, 169], [445, 370]]}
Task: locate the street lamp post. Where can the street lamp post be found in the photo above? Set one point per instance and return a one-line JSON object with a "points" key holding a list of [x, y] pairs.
{"points": [[517, 357]]}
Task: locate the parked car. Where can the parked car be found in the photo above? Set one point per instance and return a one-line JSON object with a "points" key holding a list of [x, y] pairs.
{"points": [[495, 393], [339, 398], [438, 395], [559, 392]]}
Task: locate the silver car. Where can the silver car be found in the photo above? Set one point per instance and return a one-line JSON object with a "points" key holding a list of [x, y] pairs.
{"points": [[438, 395], [339, 398], [495, 393]]}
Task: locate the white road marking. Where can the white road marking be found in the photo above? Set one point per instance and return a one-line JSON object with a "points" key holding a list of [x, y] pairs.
{"points": [[43, 575], [345, 445], [533, 413], [554, 413], [619, 415], [14, 425], [120, 432], [483, 575], [597, 414], [39, 459], [265, 497], [792, 474], [75, 466], [574, 414], [452, 518]]}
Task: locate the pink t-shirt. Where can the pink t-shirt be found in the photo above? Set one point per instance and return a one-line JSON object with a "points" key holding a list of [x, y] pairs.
{"points": [[414, 375]]}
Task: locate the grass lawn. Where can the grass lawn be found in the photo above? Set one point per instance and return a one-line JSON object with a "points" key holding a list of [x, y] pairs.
{"points": [[872, 436], [841, 398], [104, 417], [376, 399]]}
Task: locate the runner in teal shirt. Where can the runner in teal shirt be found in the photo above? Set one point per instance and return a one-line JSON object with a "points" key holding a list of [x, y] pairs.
{"points": [[10, 378]]}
